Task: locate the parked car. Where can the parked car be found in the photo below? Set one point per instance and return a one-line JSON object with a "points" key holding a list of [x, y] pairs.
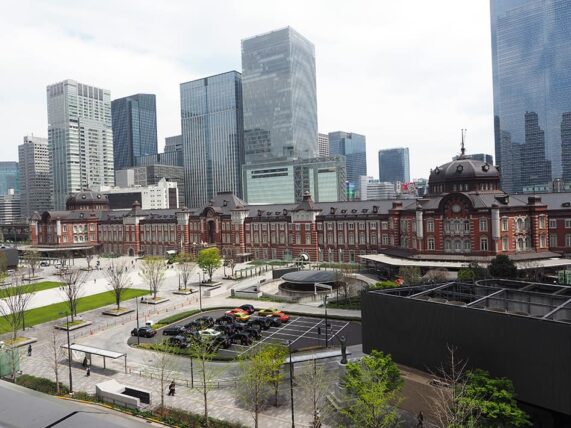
{"points": [[266, 312], [222, 341], [178, 341], [205, 322], [235, 311], [254, 333], [248, 308], [192, 326], [143, 332], [173, 330], [44, 263], [264, 322], [241, 338], [281, 316], [209, 334], [150, 323], [224, 319], [242, 317], [226, 328], [275, 322], [254, 324]]}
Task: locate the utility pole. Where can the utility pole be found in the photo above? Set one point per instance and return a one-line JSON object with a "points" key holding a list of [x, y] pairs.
{"points": [[291, 384], [68, 353], [137, 305], [326, 324]]}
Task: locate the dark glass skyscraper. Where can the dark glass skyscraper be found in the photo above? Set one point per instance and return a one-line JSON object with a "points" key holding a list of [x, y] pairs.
{"points": [[134, 120], [9, 177], [353, 147], [212, 135], [394, 165], [531, 58], [280, 101]]}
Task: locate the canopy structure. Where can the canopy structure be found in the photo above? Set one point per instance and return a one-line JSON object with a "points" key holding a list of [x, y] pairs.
{"points": [[91, 350]]}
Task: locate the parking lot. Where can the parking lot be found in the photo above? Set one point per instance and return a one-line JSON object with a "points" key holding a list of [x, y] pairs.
{"points": [[304, 332]]}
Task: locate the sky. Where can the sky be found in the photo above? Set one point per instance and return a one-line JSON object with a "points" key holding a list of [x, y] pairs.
{"points": [[403, 73]]}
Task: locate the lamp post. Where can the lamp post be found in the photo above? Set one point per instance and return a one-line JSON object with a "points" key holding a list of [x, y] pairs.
{"points": [[137, 305], [191, 372], [68, 352], [326, 324], [291, 384], [200, 292]]}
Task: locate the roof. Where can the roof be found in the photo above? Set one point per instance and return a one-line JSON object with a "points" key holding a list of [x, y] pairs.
{"points": [[394, 261], [95, 351], [310, 276], [463, 168]]}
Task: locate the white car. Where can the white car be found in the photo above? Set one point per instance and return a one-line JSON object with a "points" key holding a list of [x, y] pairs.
{"points": [[209, 334]]}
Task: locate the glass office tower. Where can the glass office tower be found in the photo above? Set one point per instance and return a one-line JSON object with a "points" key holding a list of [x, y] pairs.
{"points": [[280, 102], [9, 177], [354, 148], [531, 58], [212, 134], [394, 165], [134, 121]]}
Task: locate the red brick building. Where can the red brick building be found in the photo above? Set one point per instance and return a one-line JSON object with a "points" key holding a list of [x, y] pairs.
{"points": [[465, 216]]}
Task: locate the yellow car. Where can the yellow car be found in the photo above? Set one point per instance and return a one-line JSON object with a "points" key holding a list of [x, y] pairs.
{"points": [[269, 311], [241, 317]]}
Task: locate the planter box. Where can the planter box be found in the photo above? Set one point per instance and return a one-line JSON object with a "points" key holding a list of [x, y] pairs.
{"points": [[118, 313], [73, 327], [210, 284], [20, 343], [150, 301], [183, 292]]}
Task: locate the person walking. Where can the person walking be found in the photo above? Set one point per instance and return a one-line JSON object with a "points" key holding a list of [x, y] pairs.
{"points": [[30, 350], [88, 371], [172, 388], [420, 420]]}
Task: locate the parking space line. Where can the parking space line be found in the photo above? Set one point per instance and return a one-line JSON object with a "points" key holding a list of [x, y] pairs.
{"points": [[268, 337], [306, 331], [338, 331]]}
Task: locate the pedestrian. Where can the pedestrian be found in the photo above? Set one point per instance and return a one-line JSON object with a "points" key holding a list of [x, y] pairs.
{"points": [[88, 371], [30, 350], [94, 280], [172, 388], [84, 363], [420, 420]]}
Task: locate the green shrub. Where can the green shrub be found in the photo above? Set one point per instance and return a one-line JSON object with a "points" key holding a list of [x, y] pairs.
{"points": [[381, 285], [178, 317], [40, 384]]}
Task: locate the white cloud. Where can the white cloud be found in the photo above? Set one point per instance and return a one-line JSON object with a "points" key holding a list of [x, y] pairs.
{"points": [[408, 73]]}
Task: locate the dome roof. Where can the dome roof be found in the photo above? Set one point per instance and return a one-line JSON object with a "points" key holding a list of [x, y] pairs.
{"points": [[464, 169], [87, 199]]}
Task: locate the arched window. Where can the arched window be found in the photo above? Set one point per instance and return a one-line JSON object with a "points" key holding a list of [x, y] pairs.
{"points": [[520, 244], [467, 246], [457, 246], [484, 244], [448, 245], [519, 224]]}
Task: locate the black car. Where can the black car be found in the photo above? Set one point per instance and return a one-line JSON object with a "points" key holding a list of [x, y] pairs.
{"points": [[226, 328], [248, 308], [222, 341], [178, 341], [143, 332], [224, 319], [173, 330], [275, 322], [241, 338], [264, 322], [205, 322], [254, 333], [192, 326], [254, 324]]}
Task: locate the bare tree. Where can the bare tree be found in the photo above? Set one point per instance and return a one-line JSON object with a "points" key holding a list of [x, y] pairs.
{"points": [[203, 352], [56, 352], [184, 268], [153, 272], [32, 259], [450, 406], [15, 299], [118, 280], [437, 275], [313, 379], [165, 363], [343, 281], [72, 282], [232, 265]]}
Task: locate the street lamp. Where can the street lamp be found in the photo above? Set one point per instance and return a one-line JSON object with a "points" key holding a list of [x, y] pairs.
{"points": [[326, 324], [291, 384], [191, 372], [200, 292], [137, 305], [68, 351]]}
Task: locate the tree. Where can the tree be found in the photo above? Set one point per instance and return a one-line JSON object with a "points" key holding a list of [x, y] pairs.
{"points": [[72, 282], [55, 350], [315, 381], [473, 272], [32, 259], [184, 268], [373, 384], [276, 356], [410, 275], [118, 280], [466, 275], [208, 260], [89, 258], [165, 364], [3, 263], [437, 275], [502, 266], [203, 352], [232, 265], [494, 399], [342, 281], [15, 299], [153, 272], [449, 405]]}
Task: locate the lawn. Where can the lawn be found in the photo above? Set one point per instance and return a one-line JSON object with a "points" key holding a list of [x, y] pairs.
{"points": [[53, 312], [40, 286]]}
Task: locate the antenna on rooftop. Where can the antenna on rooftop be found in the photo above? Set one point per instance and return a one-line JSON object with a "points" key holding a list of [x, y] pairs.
{"points": [[462, 148]]}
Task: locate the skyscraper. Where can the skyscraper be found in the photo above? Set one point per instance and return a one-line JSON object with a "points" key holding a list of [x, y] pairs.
{"points": [[531, 59], [134, 120], [394, 165], [9, 177], [80, 138], [35, 177], [280, 102], [212, 133], [353, 147], [323, 144]]}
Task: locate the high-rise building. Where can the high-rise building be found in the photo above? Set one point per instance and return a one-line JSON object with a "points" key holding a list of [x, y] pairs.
{"points": [[323, 144], [173, 154], [9, 177], [373, 189], [80, 138], [280, 102], [212, 133], [531, 59], [287, 181], [9, 207], [394, 165], [489, 159], [35, 177], [353, 147], [163, 195], [174, 143], [134, 120]]}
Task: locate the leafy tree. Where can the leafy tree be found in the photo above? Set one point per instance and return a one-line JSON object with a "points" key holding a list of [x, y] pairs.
{"points": [[276, 356], [208, 260], [494, 398], [153, 272], [410, 275], [466, 275], [502, 267], [373, 384], [118, 280], [381, 285], [3, 262], [473, 272]]}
